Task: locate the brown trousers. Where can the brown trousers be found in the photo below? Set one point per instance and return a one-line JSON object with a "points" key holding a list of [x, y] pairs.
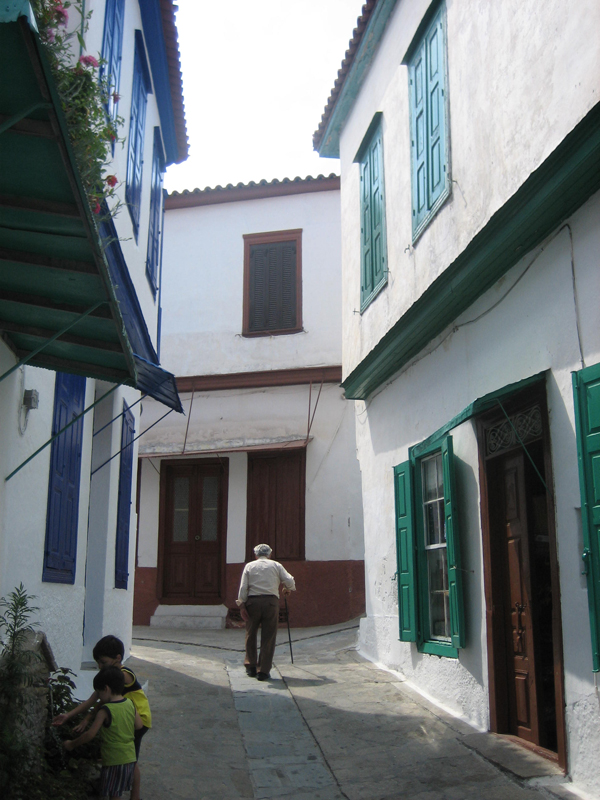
{"points": [[264, 614]]}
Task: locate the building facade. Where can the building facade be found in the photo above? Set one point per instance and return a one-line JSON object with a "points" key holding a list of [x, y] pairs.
{"points": [[266, 452], [79, 313], [468, 138]]}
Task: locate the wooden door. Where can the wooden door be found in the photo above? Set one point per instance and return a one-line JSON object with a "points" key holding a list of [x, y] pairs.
{"points": [[276, 504], [518, 603], [193, 534]]}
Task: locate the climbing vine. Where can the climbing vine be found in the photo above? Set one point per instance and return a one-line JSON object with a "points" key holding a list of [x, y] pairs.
{"points": [[85, 91]]}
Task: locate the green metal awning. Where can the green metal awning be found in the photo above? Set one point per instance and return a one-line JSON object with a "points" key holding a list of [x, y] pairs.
{"points": [[53, 272]]}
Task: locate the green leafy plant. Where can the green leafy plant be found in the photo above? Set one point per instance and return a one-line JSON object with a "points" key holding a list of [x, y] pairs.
{"points": [[15, 676], [86, 97], [59, 775]]}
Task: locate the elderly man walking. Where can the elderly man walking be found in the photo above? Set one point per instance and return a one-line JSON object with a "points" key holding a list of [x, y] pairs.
{"points": [[258, 600]]}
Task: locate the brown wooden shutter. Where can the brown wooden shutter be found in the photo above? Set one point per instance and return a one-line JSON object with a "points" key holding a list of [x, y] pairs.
{"points": [[276, 486], [272, 286]]}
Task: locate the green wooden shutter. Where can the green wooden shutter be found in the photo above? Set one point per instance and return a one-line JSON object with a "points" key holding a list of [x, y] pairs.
{"points": [[377, 210], [366, 261], [436, 137], [586, 386], [405, 553], [457, 624], [418, 143]]}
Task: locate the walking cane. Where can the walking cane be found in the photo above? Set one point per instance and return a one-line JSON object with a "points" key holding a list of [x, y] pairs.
{"points": [[287, 616]]}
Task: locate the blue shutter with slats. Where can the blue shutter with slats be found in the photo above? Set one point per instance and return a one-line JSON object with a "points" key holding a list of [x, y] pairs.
{"points": [[586, 386], [112, 46], [154, 232], [124, 500], [63, 487], [405, 553], [137, 128]]}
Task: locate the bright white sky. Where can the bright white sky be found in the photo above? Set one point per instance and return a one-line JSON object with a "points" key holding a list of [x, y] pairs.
{"points": [[256, 77]]}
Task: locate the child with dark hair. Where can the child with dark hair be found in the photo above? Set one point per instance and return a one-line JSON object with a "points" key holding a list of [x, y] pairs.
{"points": [[116, 720], [109, 652]]}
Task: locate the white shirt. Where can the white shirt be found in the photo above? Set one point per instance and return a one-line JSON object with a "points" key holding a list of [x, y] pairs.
{"points": [[263, 576]]}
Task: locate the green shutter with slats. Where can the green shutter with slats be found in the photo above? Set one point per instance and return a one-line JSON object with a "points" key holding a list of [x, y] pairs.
{"points": [[586, 387], [377, 210], [436, 137], [419, 137], [372, 223], [405, 553], [366, 260], [455, 594], [429, 139]]}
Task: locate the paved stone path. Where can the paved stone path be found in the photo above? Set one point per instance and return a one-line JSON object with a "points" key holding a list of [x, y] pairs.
{"points": [[332, 726]]}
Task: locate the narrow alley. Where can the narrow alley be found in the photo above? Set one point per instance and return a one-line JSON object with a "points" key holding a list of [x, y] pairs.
{"points": [[332, 726]]}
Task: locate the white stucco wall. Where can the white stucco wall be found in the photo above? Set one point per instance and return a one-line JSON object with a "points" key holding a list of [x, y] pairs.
{"points": [[524, 325], [202, 296], [226, 419], [23, 511], [520, 76]]}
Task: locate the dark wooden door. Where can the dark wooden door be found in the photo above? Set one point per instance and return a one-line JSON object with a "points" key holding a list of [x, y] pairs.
{"points": [[193, 536], [276, 503], [518, 603]]}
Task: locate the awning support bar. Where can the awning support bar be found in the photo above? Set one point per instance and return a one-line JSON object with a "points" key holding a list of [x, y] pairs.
{"points": [[8, 123], [62, 430], [521, 442], [52, 339], [132, 441], [114, 419]]}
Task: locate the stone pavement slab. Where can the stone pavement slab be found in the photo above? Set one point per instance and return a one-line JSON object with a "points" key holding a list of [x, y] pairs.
{"points": [[331, 726]]}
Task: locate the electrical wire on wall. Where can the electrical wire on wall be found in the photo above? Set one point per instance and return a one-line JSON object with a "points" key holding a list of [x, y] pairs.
{"points": [[455, 328]]}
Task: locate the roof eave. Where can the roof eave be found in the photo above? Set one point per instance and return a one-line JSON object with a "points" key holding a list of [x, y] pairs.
{"points": [[327, 144]]}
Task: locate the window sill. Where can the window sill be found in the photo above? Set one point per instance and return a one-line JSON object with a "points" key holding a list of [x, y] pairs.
{"points": [[368, 300], [424, 224], [280, 332], [439, 649]]}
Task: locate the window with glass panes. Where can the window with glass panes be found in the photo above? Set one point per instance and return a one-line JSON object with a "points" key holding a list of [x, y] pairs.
{"points": [[430, 602], [434, 546]]}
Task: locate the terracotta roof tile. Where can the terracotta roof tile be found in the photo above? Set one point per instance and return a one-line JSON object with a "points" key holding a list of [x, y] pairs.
{"points": [[357, 34], [167, 10], [252, 190]]}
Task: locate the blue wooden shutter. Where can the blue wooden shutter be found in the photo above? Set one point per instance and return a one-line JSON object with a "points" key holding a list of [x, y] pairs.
{"points": [[112, 46], [137, 127], [418, 116], [457, 624], [586, 386], [154, 232], [124, 500], [436, 137], [405, 553], [63, 488]]}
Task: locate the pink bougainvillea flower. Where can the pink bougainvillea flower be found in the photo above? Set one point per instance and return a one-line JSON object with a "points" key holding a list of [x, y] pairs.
{"points": [[88, 61], [50, 36], [62, 15], [116, 97], [111, 180], [97, 208]]}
